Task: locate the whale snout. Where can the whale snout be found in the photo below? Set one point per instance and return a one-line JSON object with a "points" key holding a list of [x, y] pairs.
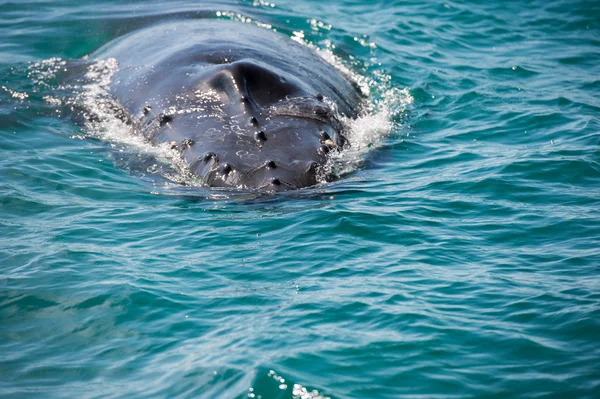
{"points": [[264, 148], [270, 175], [274, 176]]}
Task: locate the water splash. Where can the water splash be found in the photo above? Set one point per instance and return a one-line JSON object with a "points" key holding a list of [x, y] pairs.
{"points": [[298, 390], [384, 108]]}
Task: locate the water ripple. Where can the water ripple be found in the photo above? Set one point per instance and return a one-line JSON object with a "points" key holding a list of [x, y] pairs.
{"points": [[459, 259]]}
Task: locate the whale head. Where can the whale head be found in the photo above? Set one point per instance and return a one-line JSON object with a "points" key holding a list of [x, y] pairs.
{"points": [[246, 125]]}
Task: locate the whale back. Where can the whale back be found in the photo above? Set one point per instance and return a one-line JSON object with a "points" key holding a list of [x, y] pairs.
{"points": [[246, 106]]}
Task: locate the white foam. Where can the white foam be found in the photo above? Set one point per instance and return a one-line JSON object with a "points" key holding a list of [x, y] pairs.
{"points": [[298, 391], [103, 122], [384, 105], [14, 93]]}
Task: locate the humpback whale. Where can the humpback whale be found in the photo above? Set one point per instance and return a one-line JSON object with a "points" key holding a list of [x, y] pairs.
{"points": [[245, 106]]}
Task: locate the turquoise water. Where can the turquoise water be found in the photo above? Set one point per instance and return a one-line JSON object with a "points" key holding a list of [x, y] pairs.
{"points": [[458, 255]]}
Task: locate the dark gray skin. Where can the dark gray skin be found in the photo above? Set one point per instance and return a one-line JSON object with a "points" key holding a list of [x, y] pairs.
{"points": [[247, 107]]}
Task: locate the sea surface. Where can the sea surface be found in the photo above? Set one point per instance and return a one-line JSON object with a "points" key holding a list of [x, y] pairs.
{"points": [[456, 256]]}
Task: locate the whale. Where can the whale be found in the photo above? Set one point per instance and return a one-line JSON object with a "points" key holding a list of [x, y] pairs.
{"points": [[245, 107]]}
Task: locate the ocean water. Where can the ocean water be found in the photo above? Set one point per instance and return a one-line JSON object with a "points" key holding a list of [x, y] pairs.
{"points": [[457, 255]]}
